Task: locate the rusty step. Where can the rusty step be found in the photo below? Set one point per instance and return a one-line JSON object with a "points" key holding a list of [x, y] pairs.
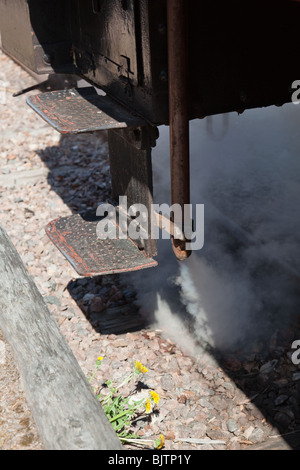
{"points": [[77, 238], [80, 110]]}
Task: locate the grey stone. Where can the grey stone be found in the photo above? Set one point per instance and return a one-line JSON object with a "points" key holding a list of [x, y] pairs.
{"points": [[52, 300], [282, 419], [268, 366], [257, 436], [232, 425], [87, 297], [167, 382], [218, 434], [280, 400], [205, 403]]}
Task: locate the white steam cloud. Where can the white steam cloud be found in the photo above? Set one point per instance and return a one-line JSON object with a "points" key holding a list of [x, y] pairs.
{"points": [[244, 283]]}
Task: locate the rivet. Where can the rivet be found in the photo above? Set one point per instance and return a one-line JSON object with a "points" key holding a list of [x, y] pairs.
{"points": [[47, 59]]}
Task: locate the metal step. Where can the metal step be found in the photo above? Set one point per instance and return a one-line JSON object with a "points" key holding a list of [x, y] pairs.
{"points": [[76, 238], [80, 110]]}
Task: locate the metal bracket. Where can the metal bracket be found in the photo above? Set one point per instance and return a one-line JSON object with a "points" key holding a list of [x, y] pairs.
{"points": [[131, 171]]}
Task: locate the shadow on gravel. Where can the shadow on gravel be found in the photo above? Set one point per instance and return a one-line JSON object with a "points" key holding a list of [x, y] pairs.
{"points": [[79, 174], [260, 366]]}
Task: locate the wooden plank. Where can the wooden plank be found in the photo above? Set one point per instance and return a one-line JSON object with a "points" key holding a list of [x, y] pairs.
{"points": [[66, 412]]}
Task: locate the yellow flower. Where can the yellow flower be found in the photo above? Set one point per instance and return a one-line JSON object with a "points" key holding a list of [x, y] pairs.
{"points": [[140, 367], [148, 406], [160, 442], [99, 360], [155, 397]]}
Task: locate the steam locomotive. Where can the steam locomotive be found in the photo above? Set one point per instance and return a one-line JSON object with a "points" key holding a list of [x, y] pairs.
{"points": [[156, 62]]}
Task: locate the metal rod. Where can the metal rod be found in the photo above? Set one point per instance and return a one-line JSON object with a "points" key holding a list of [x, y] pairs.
{"points": [[178, 110]]}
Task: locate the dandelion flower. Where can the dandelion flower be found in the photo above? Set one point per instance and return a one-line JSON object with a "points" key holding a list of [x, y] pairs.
{"points": [[148, 406], [155, 397], [140, 368], [160, 442]]}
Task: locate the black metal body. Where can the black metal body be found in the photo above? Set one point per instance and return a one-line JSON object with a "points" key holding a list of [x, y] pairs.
{"points": [[163, 62], [241, 54]]}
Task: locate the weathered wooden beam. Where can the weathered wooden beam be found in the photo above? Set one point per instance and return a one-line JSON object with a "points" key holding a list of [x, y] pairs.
{"points": [[66, 412]]}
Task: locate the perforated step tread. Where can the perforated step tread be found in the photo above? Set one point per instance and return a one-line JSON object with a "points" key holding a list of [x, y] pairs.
{"points": [[76, 238], [80, 110]]}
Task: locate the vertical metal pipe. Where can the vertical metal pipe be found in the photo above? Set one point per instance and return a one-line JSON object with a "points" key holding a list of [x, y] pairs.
{"points": [[179, 110]]}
